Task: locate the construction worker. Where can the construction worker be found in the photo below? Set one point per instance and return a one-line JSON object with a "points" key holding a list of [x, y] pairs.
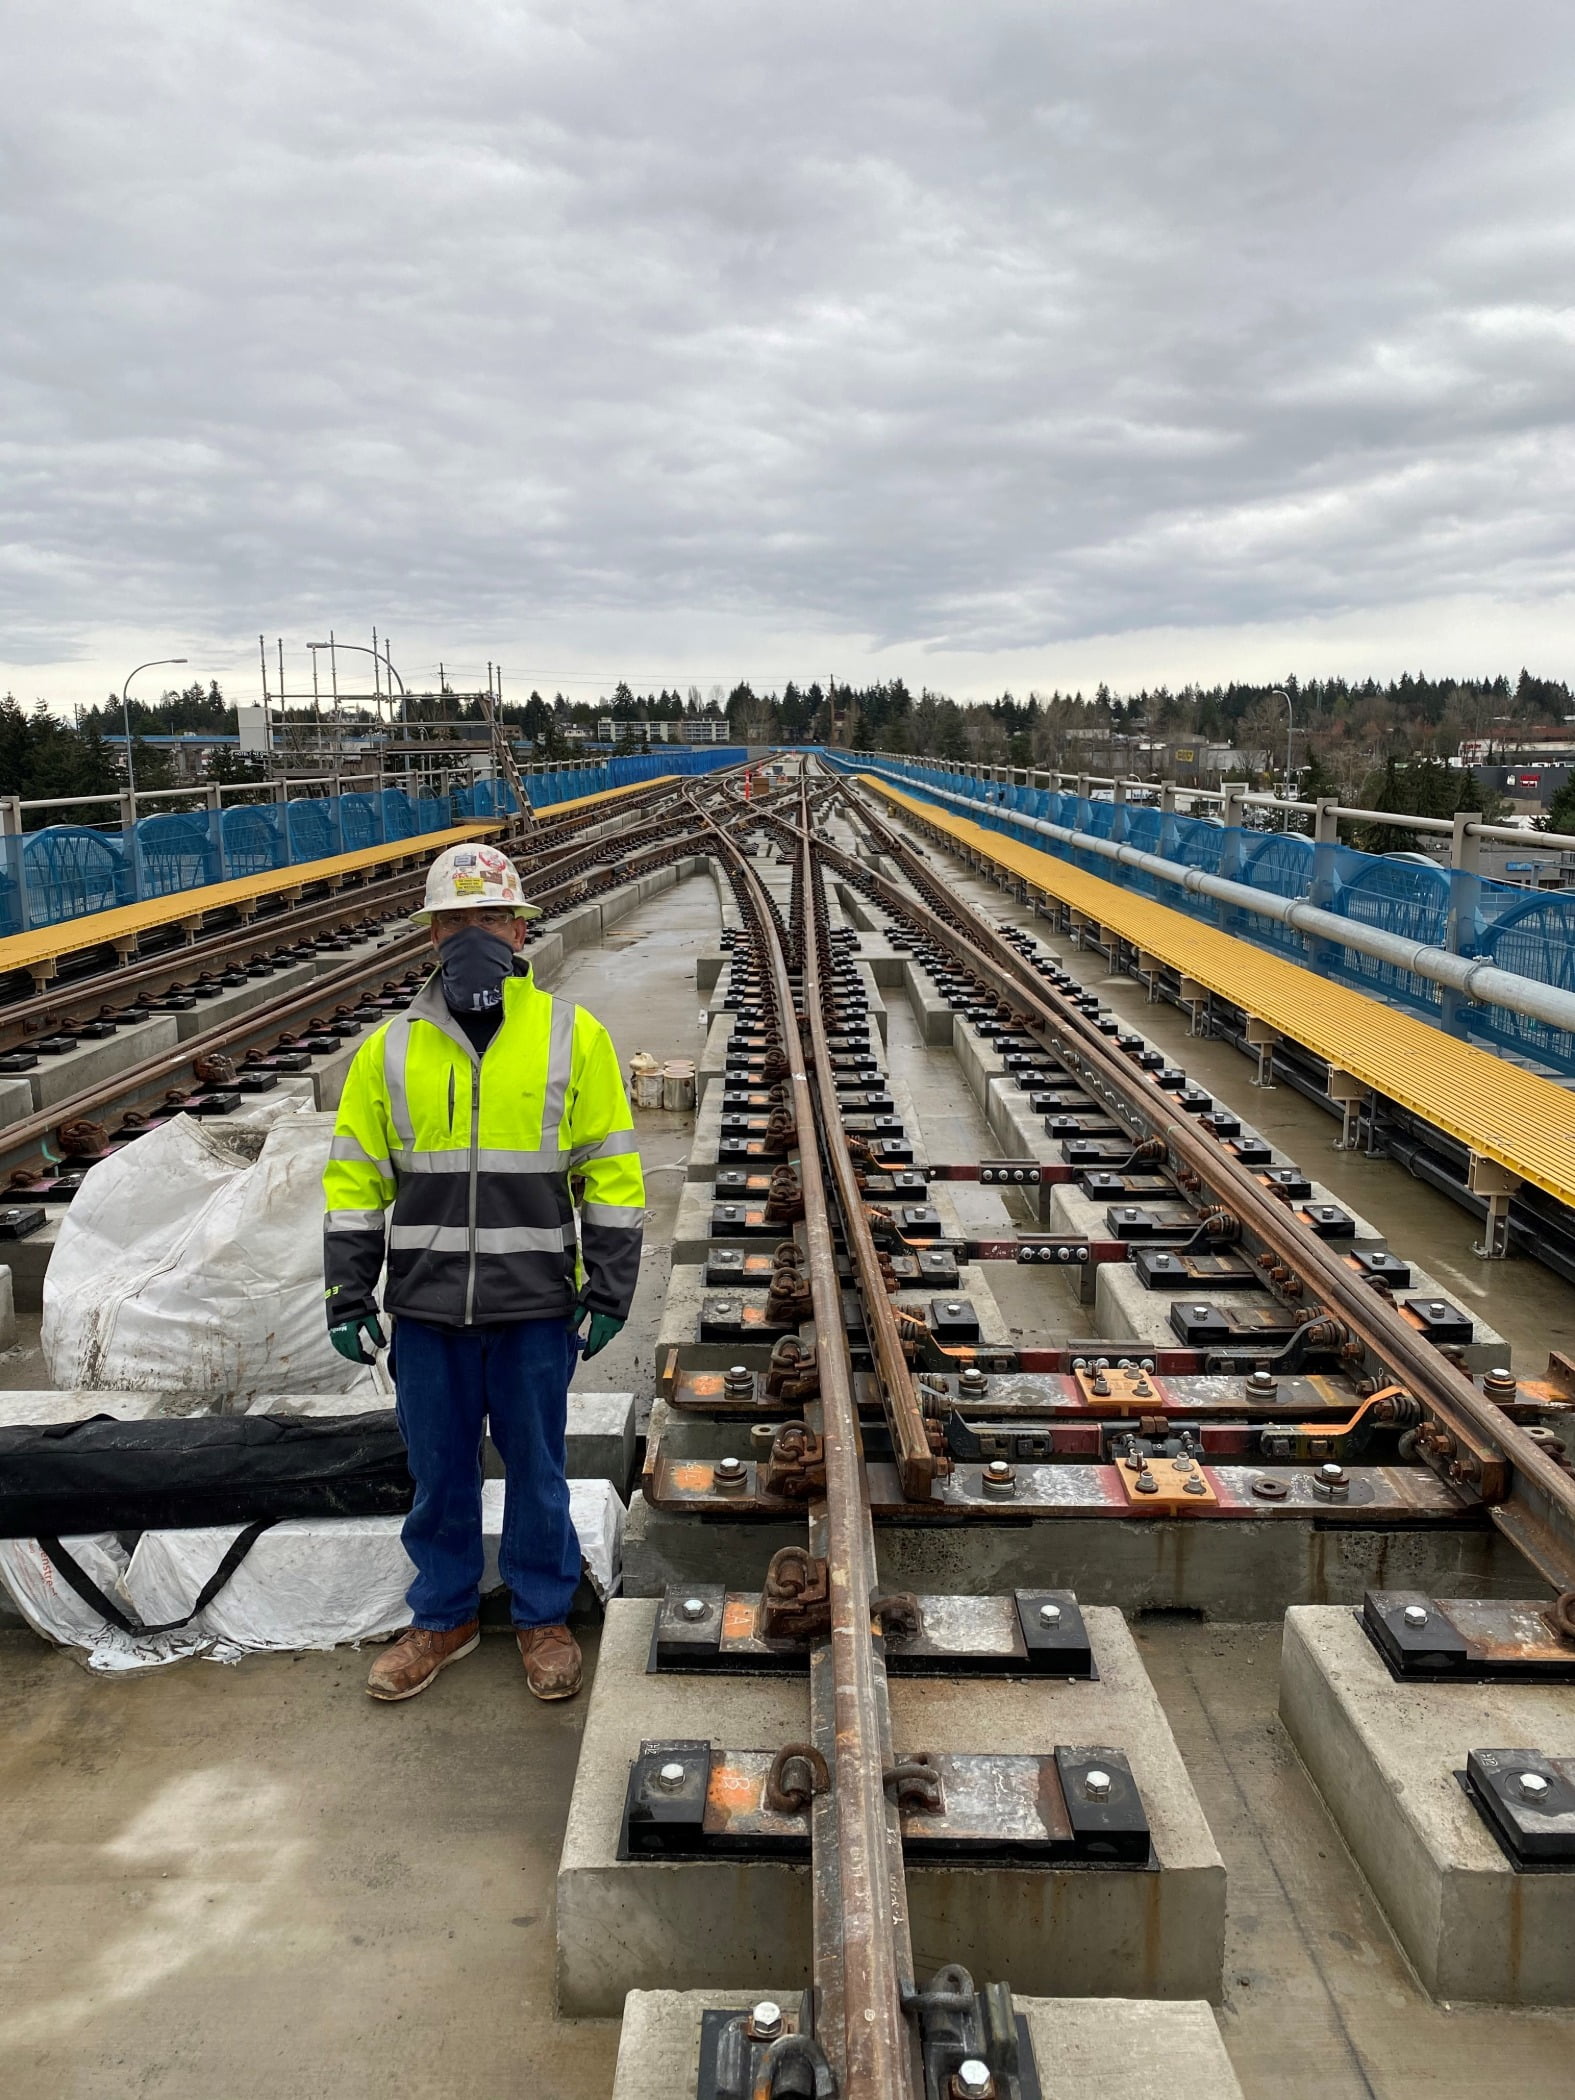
{"points": [[470, 1113]]}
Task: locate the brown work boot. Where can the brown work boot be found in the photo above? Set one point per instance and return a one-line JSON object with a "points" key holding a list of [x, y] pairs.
{"points": [[551, 1656], [412, 1662]]}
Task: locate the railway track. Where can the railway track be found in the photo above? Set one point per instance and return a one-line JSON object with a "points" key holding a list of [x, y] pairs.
{"points": [[852, 1428], [176, 957], [47, 1153]]}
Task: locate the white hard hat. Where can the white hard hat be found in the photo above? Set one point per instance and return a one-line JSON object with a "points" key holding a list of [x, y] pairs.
{"points": [[475, 877]]}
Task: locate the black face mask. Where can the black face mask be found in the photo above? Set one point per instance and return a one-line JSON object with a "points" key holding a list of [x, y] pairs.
{"points": [[474, 962]]}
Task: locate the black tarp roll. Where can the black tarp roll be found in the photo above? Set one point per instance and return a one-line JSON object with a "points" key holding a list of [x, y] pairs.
{"points": [[72, 1478]]}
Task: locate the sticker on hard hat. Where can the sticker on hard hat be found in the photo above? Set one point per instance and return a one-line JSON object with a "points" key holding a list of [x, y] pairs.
{"points": [[463, 857], [468, 886]]}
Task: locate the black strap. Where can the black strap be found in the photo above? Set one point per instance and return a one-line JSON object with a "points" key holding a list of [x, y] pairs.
{"points": [[78, 1579]]}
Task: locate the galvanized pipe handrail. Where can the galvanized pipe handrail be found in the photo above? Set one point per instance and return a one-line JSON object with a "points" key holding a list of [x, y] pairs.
{"points": [[1474, 979], [1259, 798]]}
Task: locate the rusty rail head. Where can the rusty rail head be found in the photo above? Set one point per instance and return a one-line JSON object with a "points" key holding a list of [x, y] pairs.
{"points": [[1537, 1508], [917, 1462], [862, 1951]]}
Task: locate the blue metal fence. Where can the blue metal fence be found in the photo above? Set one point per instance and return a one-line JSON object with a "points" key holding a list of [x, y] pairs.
{"points": [[68, 870], [1532, 934]]}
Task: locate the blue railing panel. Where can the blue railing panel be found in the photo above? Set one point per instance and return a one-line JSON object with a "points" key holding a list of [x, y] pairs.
{"points": [[1531, 935]]}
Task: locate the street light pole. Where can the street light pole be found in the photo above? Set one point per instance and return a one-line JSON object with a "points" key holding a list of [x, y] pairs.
{"points": [[1280, 693], [154, 663], [361, 650]]}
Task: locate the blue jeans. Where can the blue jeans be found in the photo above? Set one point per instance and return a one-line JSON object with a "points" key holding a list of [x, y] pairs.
{"points": [[451, 1383]]}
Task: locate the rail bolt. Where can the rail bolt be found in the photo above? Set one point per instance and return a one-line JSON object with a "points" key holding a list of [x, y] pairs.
{"points": [[999, 1478], [729, 1473], [669, 1778], [1049, 1614], [972, 2080], [765, 2021], [694, 1608], [1532, 1785], [1416, 1615], [1096, 1785]]}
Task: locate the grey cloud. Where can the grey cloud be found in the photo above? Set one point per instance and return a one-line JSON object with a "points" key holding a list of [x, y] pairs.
{"points": [[977, 328]]}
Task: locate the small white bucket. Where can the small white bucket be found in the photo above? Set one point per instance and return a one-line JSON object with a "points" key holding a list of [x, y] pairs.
{"points": [[645, 1080], [678, 1083]]}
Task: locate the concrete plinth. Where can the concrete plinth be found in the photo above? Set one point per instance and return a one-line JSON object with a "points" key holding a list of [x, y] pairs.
{"points": [[57, 1079], [16, 1102], [1384, 1756], [29, 1260], [1126, 1311], [545, 956], [601, 1438], [687, 1291], [678, 1925], [1085, 2049], [1229, 1571], [935, 1018], [329, 1072], [713, 1058], [229, 1005], [1072, 1211], [980, 1060]]}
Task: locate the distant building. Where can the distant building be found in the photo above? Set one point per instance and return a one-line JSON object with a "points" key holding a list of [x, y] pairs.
{"points": [[687, 730]]}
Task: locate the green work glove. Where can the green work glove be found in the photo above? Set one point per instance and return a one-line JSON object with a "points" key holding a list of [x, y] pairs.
{"points": [[602, 1329], [359, 1339]]}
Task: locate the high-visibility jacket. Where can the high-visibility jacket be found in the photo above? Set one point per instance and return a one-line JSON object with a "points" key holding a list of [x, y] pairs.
{"points": [[476, 1157]]}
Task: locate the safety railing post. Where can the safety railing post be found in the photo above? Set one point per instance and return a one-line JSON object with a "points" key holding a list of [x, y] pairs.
{"points": [[1465, 906]]}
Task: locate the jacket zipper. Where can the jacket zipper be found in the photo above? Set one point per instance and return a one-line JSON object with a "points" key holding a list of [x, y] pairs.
{"points": [[475, 1170]]}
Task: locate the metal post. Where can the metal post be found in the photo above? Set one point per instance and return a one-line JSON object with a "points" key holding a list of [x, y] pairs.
{"points": [[1465, 897]]}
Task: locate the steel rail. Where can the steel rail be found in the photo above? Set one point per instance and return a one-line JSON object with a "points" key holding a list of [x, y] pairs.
{"points": [[1537, 1509], [863, 1957]]}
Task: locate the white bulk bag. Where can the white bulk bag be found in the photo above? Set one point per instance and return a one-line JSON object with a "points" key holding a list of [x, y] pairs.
{"points": [[191, 1261]]}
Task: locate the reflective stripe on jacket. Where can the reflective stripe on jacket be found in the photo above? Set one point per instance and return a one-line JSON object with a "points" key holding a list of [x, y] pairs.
{"points": [[476, 1156]]}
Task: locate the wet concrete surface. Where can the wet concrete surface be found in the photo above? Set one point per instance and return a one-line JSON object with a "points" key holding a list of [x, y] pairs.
{"points": [[256, 1883], [1320, 2002]]}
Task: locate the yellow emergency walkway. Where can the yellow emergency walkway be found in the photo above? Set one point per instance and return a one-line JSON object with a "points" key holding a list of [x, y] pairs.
{"points": [[124, 924], [1494, 1108]]}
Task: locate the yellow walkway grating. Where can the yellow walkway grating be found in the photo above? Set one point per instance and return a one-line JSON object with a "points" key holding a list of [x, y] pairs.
{"points": [[549, 810], [124, 922], [1493, 1107]]}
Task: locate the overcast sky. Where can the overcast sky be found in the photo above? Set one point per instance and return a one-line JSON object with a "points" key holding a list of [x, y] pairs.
{"points": [[988, 344]]}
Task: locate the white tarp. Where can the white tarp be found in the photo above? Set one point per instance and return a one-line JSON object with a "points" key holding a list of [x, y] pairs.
{"points": [[308, 1582], [191, 1261]]}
